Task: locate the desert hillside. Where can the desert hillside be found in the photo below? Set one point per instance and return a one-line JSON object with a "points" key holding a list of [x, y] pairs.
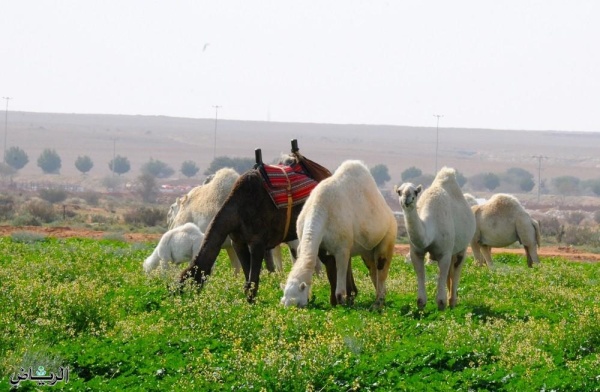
{"points": [[174, 140]]}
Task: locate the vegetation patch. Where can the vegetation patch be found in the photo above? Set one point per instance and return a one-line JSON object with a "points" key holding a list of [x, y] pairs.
{"points": [[87, 304]]}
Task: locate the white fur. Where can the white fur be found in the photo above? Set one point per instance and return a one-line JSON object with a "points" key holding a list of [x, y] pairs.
{"points": [[439, 222], [202, 203], [501, 221], [178, 245], [346, 215]]}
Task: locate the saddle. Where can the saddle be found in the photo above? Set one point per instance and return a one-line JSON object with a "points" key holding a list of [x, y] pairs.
{"points": [[290, 185], [287, 185]]}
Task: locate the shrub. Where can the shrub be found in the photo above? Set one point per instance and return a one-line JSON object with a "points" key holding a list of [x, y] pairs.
{"points": [[577, 235], [27, 237], [40, 209], [575, 217], [91, 198], [7, 206], [550, 225], [53, 195], [148, 216]]}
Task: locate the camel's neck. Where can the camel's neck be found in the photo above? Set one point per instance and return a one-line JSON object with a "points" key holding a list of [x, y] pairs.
{"points": [[312, 235], [416, 228], [226, 221]]}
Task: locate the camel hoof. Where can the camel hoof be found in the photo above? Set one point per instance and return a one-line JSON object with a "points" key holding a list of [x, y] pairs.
{"points": [[441, 305], [377, 305]]}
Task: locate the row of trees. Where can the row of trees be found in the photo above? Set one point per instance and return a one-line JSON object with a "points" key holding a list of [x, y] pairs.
{"points": [[50, 163], [513, 180]]}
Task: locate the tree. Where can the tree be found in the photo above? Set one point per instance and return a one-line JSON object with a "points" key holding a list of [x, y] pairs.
{"points": [[240, 165], [121, 165], [410, 173], [16, 158], [84, 164], [491, 181], [380, 174], [148, 187], [189, 169], [461, 179], [521, 178], [157, 168], [566, 185], [49, 161]]}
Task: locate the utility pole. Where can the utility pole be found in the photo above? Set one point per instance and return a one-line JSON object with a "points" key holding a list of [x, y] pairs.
{"points": [[216, 119], [437, 140], [5, 125], [539, 158], [114, 139]]}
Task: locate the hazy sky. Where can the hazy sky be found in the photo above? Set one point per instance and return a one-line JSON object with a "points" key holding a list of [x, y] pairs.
{"points": [[493, 64]]}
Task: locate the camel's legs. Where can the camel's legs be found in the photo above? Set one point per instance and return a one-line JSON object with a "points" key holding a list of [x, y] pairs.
{"points": [[243, 253], [379, 276], [444, 266], [257, 254], [487, 254], [419, 266], [270, 259], [341, 264], [454, 277], [277, 259], [476, 248], [235, 261], [530, 260], [330, 269]]}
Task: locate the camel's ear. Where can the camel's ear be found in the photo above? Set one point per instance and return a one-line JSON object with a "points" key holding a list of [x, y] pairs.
{"points": [[302, 286], [419, 189], [396, 188], [282, 286]]}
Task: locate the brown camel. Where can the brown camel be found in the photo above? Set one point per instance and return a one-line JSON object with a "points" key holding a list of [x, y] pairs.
{"points": [[254, 223]]}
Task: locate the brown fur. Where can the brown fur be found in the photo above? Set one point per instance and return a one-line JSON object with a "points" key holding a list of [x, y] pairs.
{"points": [[254, 225]]}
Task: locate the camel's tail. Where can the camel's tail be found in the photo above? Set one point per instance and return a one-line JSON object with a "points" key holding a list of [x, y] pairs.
{"points": [[538, 233]]}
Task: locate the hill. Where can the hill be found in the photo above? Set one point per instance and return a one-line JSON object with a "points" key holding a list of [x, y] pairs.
{"points": [[174, 140]]}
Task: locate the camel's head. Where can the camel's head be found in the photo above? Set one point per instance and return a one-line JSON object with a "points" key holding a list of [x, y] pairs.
{"points": [[295, 293], [173, 210], [408, 194]]}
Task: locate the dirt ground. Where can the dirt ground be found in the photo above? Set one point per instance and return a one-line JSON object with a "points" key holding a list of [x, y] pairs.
{"points": [[66, 232]]}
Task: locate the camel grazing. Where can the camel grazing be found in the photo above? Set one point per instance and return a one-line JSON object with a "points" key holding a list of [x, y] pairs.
{"points": [[439, 222], [250, 217], [178, 245], [344, 216], [501, 221], [202, 203]]}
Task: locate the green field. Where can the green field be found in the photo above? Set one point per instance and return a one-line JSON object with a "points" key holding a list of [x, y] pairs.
{"points": [[87, 305]]}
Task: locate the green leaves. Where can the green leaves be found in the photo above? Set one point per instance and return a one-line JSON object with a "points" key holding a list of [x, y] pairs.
{"points": [[88, 305]]}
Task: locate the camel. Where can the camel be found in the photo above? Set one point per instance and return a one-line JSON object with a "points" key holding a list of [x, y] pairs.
{"points": [[344, 216], [177, 245], [439, 222], [254, 223], [501, 221], [202, 203]]}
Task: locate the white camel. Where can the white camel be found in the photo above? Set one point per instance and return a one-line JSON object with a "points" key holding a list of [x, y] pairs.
{"points": [[501, 221], [202, 203], [178, 245], [345, 215], [439, 222]]}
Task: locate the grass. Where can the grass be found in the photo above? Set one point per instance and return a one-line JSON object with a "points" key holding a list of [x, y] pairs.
{"points": [[87, 304]]}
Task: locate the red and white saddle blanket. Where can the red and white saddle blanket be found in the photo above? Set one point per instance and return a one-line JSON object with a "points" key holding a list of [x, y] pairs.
{"points": [[285, 182]]}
